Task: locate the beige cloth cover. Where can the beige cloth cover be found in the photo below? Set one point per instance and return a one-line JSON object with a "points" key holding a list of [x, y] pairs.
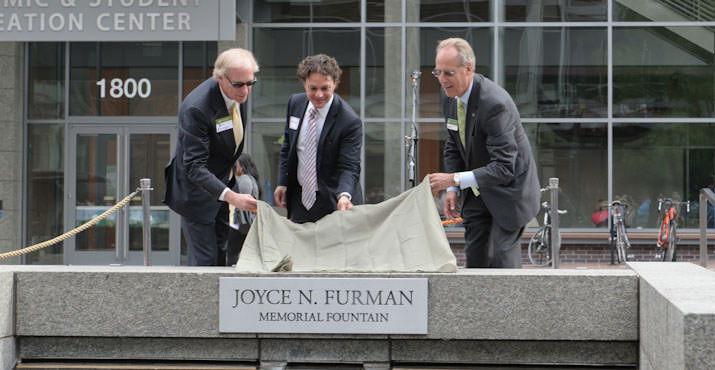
{"points": [[400, 234]]}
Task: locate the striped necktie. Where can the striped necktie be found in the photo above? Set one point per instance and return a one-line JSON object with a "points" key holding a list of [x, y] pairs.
{"points": [[308, 157]]}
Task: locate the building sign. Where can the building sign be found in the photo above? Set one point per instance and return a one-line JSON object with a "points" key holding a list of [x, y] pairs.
{"points": [[323, 305], [117, 20]]}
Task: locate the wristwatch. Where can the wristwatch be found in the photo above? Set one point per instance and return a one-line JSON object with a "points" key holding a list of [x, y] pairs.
{"points": [[457, 179]]}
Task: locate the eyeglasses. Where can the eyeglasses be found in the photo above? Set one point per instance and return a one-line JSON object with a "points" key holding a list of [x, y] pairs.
{"points": [[437, 73], [241, 84]]}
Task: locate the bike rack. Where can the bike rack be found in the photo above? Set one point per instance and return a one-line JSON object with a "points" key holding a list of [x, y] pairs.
{"points": [[706, 196], [555, 236]]}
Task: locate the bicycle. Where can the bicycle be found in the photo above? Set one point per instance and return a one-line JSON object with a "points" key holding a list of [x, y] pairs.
{"points": [[667, 243], [619, 236], [539, 250]]}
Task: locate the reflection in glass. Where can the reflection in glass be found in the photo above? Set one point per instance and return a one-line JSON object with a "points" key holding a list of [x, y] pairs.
{"points": [[383, 72], [199, 60], [653, 160], [45, 187], [663, 72], [451, 10], [664, 11], [124, 78], [384, 11], [291, 11], [577, 154], [97, 176], [148, 154], [555, 11], [422, 43], [382, 164], [280, 50], [557, 72], [46, 87]]}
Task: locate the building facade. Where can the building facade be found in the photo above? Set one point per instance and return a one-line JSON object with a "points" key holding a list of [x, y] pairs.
{"points": [[617, 98]]}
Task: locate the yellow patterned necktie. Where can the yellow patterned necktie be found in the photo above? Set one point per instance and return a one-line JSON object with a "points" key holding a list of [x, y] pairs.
{"points": [[237, 125], [462, 123], [461, 120]]}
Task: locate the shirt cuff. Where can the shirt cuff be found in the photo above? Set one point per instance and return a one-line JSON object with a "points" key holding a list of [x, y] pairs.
{"points": [[454, 189], [345, 193], [223, 193], [467, 180]]}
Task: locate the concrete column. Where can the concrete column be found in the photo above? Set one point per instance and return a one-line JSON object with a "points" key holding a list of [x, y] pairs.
{"points": [[11, 103]]}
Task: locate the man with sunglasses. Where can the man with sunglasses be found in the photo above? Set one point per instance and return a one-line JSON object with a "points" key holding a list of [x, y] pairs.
{"points": [[199, 177], [319, 167], [487, 158]]}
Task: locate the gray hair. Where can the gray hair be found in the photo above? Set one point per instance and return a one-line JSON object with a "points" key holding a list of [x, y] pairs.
{"points": [[466, 54], [234, 58]]}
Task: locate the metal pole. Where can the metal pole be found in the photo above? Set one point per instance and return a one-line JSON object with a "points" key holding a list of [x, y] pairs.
{"points": [[703, 229], [411, 140], [145, 187], [555, 235]]}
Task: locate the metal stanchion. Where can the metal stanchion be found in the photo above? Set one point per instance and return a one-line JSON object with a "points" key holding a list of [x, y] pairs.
{"points": [[413, 138], [555, 235], [706, 196], [145, 187]]}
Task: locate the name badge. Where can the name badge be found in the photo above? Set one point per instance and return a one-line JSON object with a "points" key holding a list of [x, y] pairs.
{"points": [[223, 124], [293, 123], [452, 124]]}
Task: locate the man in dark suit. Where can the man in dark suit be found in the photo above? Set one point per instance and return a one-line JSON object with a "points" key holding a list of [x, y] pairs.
{"points": [[212, 120], [319, 168], [487, 155]]}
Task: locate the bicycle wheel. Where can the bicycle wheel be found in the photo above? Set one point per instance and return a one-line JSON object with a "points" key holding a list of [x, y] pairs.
{"points": [[620, 243], [539, 250], [671, 245]]}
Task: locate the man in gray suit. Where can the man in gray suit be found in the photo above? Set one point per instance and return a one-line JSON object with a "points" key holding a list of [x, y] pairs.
{"points": [[487, 157]]}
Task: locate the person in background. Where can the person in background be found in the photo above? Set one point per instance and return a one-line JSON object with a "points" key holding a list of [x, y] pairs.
{"points": [[319, 166], [199, 176], [247, 181]]}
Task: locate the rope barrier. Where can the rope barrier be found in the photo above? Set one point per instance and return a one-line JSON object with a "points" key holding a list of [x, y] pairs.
{"points": [[72, 232]]}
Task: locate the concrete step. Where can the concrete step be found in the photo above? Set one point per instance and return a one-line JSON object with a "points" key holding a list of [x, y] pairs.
{"points": [[131, 366]]}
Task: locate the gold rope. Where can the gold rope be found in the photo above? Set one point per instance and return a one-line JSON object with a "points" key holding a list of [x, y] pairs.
{"points": [[72, 232]]}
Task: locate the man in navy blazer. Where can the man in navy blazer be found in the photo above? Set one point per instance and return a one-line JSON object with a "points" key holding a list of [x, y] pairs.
{"points": [[488, 157], [198, 176], [319, 171]]}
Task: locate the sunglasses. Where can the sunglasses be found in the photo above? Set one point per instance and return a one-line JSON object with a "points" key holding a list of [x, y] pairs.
{"points": [[437, 73], [241, 84]]}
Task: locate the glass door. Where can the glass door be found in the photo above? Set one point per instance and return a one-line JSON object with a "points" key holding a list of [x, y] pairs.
{"points": [[104, 166]]}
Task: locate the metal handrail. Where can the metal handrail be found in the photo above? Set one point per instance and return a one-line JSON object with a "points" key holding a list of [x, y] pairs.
{"points": [[706, 195]]}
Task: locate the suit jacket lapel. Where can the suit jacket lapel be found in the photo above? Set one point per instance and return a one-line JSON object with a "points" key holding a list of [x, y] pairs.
{"points": [[300, 113], [219, 106], [330, 122], [472, 120]]}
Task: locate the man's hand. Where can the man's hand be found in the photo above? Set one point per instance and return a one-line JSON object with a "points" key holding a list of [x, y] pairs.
{"points": [[450, 205], [344, 203], [441, 181], [244, 202], [279, 196]]}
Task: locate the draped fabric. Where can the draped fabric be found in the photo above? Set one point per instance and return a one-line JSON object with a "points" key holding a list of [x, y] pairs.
{"points": [[402, 234]]}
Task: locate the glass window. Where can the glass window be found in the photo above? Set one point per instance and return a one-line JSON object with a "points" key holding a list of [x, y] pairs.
{"points": [[199, 58], [45, 187], [291, 11], [267, 138], [383, 164], [654, 160], [450, 10], [555, 11], [557, 72], [663, 72], [124, 78], [278, 52], [577, 154], [664, 11], [383, 72], [46, 88], [384, 11], [421, 51]]}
